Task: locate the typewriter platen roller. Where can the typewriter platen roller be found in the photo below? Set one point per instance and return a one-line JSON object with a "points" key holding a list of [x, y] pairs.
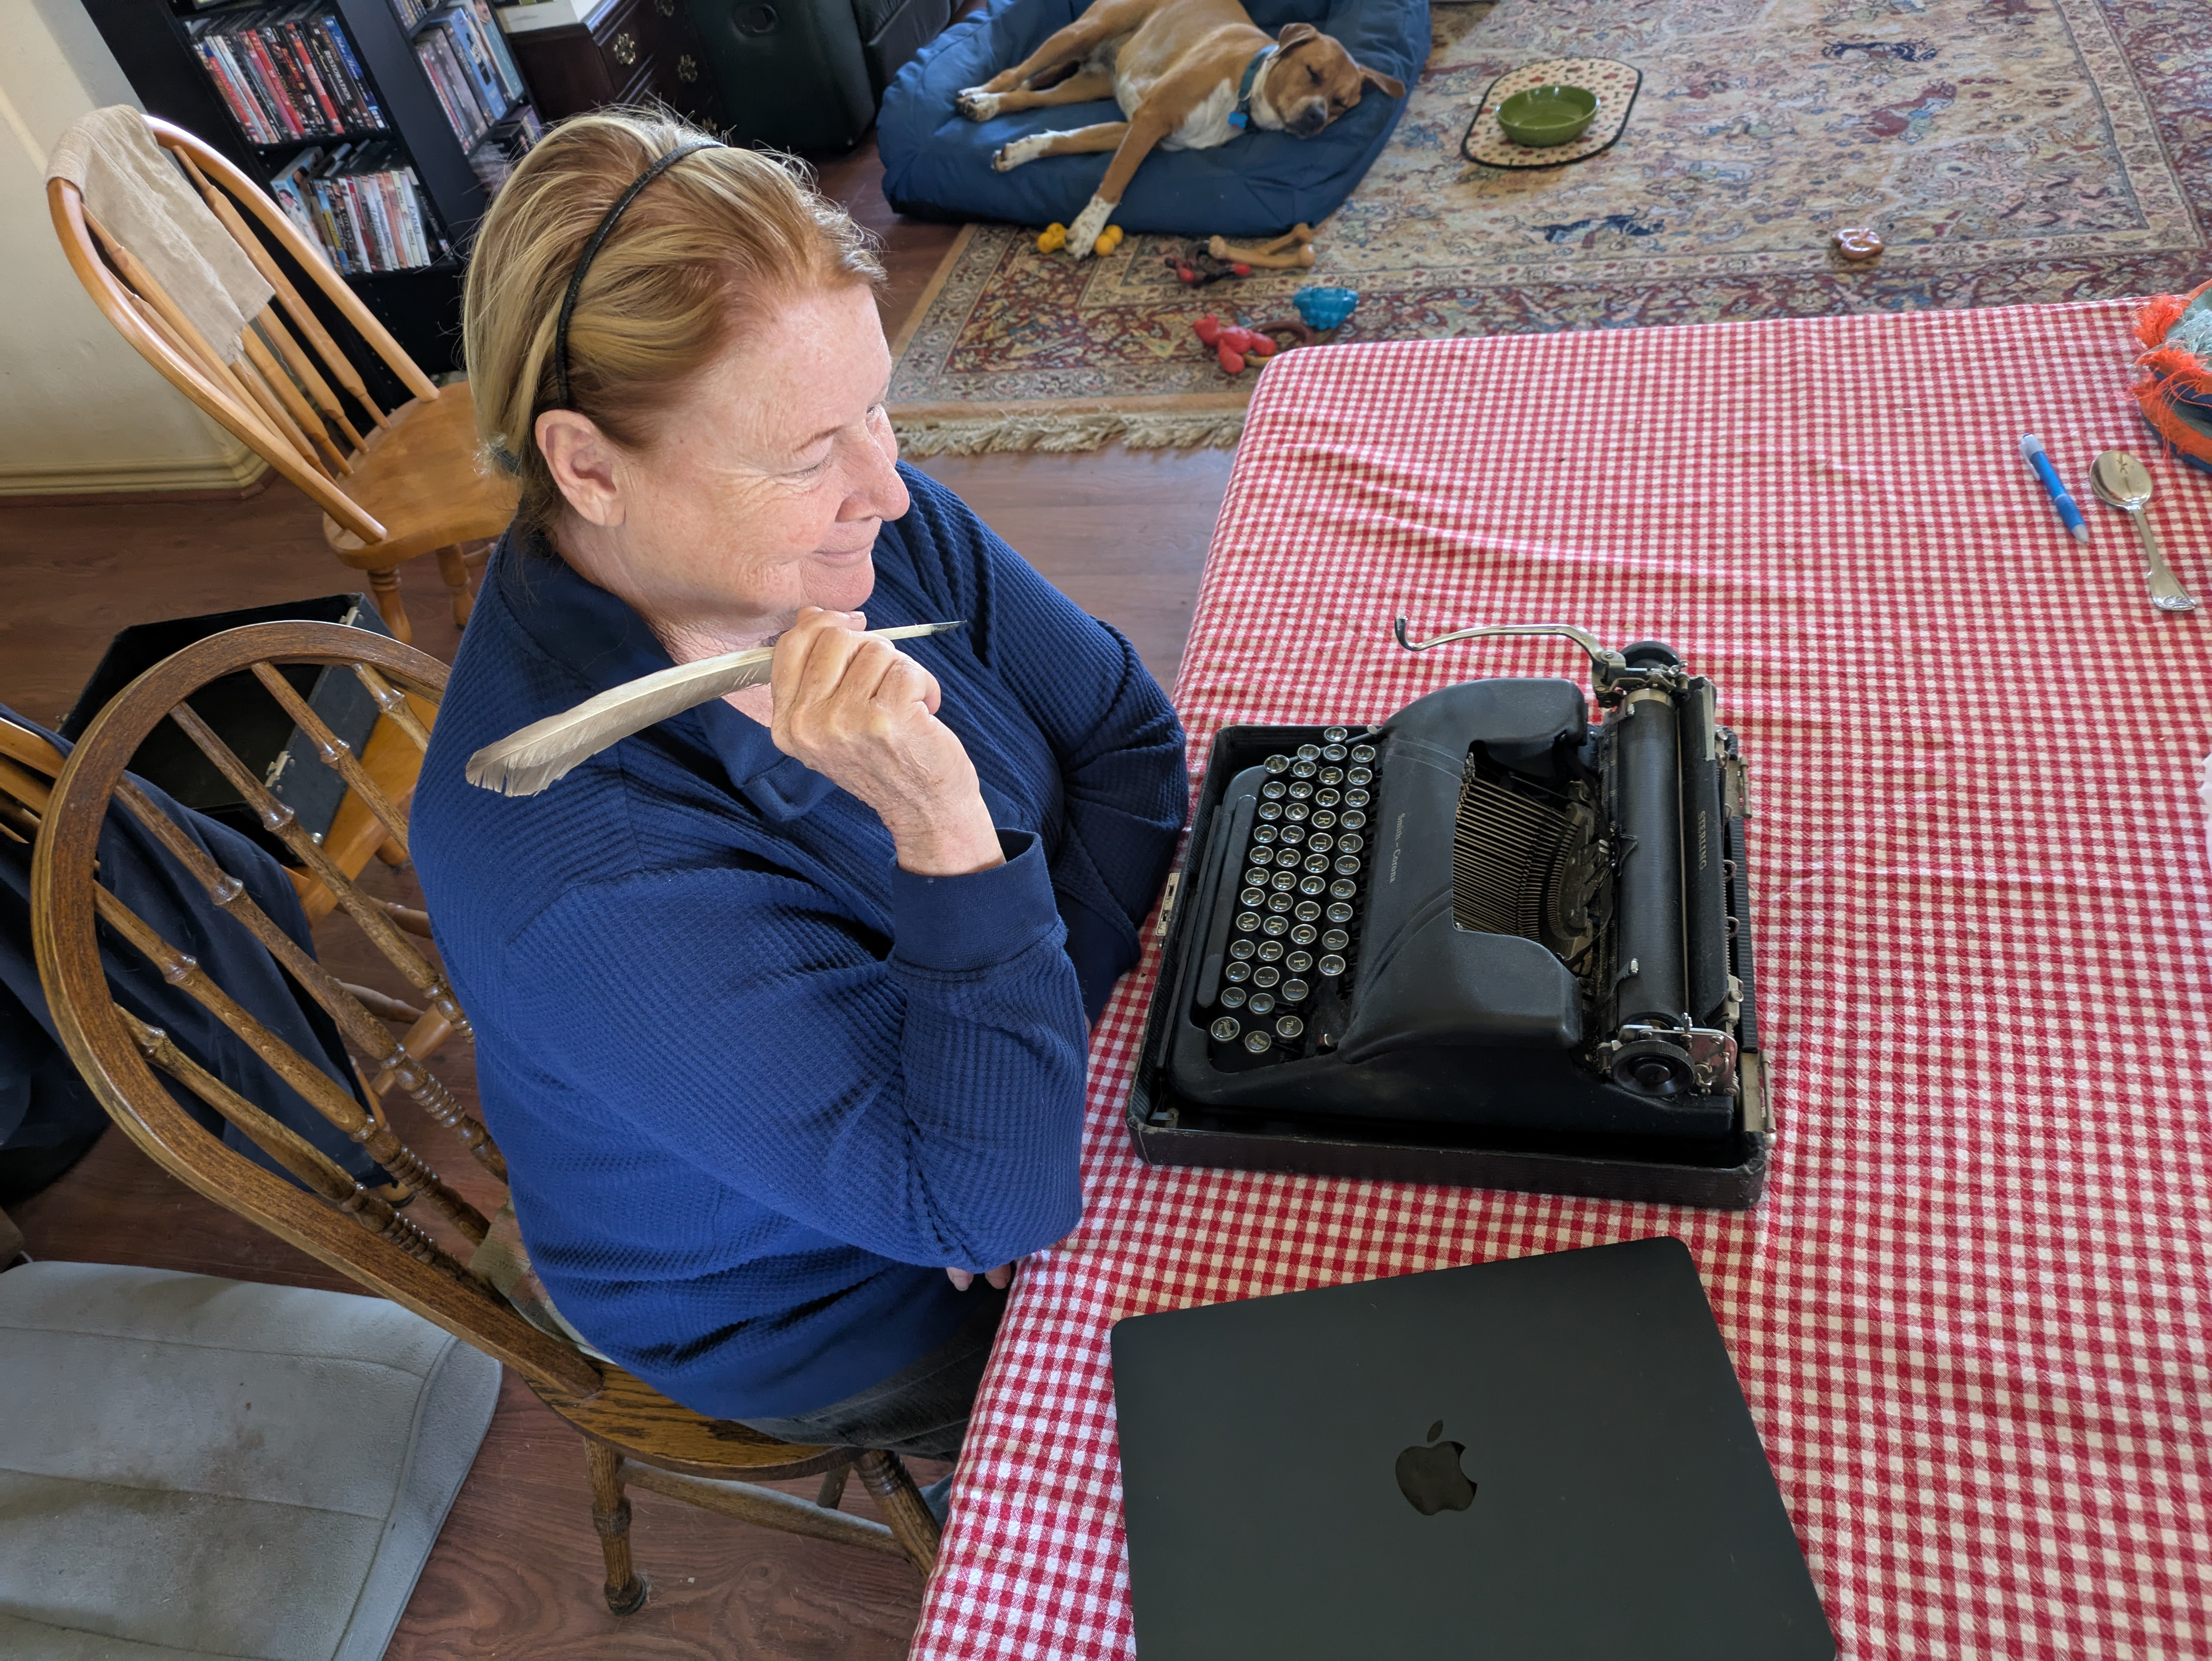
{"points": [[1484, 911]]}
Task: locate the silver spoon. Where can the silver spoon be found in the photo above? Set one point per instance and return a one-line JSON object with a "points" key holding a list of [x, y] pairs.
{"points": [[2121, 482]]}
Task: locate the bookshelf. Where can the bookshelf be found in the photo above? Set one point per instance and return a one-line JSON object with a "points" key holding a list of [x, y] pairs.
{"points": [[154, 42]]}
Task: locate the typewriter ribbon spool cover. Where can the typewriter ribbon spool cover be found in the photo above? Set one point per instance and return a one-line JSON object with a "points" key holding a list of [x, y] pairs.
{"points": [[1486, 941]]}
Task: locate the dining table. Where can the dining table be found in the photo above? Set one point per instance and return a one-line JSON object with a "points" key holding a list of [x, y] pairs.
{"points": [[1972, 1313]]}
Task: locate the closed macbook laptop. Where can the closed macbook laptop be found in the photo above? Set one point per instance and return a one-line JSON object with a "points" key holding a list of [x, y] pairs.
{"points": [[1546, 1457]]}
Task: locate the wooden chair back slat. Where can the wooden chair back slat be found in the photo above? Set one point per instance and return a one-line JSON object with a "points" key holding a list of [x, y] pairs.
{"points": [[306, 417], [212, 164], [316, 1087], [282, 823], [274, 409], [320, 338], [390, 700], [336, 753], [304, 370]]}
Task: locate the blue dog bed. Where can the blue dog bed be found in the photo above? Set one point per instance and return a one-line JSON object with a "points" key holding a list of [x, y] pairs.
{"points": [[937, 165]]}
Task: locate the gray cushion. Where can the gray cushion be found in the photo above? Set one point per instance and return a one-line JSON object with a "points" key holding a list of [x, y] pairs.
{"points": [[195, 1467]]}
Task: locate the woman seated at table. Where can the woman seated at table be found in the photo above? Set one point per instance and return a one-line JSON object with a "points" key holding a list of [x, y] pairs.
{"points": [[781, 1005]]}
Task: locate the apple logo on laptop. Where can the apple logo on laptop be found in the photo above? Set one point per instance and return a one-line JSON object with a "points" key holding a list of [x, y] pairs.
{"points": [[1429, 1477]]}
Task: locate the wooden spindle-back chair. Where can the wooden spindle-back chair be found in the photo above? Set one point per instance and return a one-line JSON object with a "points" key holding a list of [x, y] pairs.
{"points": [[393, 483], [417, 1256]]}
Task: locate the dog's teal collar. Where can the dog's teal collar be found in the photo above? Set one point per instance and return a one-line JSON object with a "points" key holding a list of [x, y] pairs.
{"points": [[1238, 117]]}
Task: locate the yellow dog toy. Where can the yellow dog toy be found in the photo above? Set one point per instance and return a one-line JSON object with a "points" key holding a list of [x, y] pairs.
{"points": [[1054, 238]]}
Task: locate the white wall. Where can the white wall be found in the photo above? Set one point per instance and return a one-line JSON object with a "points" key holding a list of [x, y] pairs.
{"points": [[79, 408]]}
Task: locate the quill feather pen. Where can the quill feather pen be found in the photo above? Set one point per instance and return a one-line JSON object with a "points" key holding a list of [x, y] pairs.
{"points": [[524, 763]]}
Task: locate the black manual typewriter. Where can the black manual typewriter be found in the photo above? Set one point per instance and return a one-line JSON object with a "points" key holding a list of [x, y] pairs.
{"points": [[1481, 942]]}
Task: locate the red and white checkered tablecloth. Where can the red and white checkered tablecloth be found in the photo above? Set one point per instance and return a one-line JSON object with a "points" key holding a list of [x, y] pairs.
{"points": [[1970, 1314]]}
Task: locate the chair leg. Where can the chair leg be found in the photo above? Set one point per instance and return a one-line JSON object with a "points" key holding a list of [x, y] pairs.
{"points": [[455, 571], [833, 1487], [626, 1589], [911, 1521], [385, 586]]}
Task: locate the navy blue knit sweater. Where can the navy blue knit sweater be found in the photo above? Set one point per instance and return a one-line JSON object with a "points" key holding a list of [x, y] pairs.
{"points": [[756, 1085]]}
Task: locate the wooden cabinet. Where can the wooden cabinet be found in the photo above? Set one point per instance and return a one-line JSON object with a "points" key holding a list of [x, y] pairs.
{"points": [[626, 52]]}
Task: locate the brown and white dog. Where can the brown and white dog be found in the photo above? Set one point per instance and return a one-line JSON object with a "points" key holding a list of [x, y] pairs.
{"points": [[1188, 74]]}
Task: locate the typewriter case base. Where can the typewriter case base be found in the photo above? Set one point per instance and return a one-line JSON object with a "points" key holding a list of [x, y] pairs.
{"points": [[1170, 1127]]}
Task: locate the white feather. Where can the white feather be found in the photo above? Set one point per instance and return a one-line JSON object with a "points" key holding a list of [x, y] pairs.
{"points": [[522, 763]]}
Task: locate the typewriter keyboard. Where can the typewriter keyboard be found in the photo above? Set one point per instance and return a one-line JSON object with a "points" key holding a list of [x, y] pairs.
{"points": [[1295, 889]]}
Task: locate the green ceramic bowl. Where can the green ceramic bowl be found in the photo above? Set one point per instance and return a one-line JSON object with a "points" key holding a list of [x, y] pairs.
{"points": [[1542, 116]]}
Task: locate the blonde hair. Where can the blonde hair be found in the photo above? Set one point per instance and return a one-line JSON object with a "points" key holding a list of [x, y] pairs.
{"points": [[722, 235]]}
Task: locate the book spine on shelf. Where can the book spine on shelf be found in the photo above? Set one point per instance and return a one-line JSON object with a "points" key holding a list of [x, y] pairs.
{"points": [[289, 81], [426, 52], [494, 40], [476, 64], [334, 31], [470, 118], [241, 108], [352, 115], [270, 80], [296, 45]]}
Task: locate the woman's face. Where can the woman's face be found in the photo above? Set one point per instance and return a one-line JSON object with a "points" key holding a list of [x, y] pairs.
{"points": [[764, 489]]}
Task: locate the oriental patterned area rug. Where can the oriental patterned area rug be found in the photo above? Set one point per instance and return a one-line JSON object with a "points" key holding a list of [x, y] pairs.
{"points": [[2007, 151]]}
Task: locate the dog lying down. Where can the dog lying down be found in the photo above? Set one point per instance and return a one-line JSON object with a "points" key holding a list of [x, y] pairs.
{"points": [[1188, 74]]}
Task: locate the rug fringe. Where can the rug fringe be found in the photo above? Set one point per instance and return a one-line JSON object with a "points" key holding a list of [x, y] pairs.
{"points": [[1090, 429]]}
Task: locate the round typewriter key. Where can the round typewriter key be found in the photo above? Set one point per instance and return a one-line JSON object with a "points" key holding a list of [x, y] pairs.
{"points": [[1308, 752], [1352, 820], [1226, 1028], [1298, 962], [1263, 834], [1321, 842], [1303, 935], [1253, 897], [1236, 973], [1332, 752], [1278, 763], [1335, 940], [1308, 909], [1271, 951], [1284, 881], [1277, 925], [1298, 813], [1340, 912], [1301, 791], [1294, 991], [1258, 1041], [1241, 947], [1360, 775], [1346, 865], [1312, 884], [1342, 889], [1266, 974], [1270, 810], [1337, 734], [1302, 770], [1280, 904], [1232, 997], [1291, 833], [1350, 843], [1316, 863], [1263, 1002], [1356, 799], [1289, 1026], [1331, 966], [1248, 920], [1272, 790], [1255, 876], [1362, 753], [1331, 776], [1327, 799]]}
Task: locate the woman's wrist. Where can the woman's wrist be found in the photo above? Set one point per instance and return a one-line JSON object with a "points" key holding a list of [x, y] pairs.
{"points": [[952, 843]]}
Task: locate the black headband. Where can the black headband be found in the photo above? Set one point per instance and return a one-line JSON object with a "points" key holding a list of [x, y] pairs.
{"points": [[591, 252]]}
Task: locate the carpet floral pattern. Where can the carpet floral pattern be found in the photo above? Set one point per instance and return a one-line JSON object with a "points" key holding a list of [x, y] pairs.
{"points": [[2007, 151]]}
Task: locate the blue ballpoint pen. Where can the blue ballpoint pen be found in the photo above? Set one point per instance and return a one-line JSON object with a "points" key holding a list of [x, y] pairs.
{"points": [[2031, 448]]}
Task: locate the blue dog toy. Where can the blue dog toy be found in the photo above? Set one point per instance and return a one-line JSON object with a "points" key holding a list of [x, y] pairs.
{"points": [[1324, 307]]}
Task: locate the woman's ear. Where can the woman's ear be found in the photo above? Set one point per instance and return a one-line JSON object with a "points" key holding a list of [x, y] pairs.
{"points": [[582, 463]]}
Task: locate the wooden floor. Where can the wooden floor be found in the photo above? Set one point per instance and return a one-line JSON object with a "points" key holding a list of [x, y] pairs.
{"points": [[516, 1572]]}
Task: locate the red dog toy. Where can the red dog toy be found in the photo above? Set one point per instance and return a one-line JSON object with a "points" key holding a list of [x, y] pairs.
{"points": [[1231, 344]]}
